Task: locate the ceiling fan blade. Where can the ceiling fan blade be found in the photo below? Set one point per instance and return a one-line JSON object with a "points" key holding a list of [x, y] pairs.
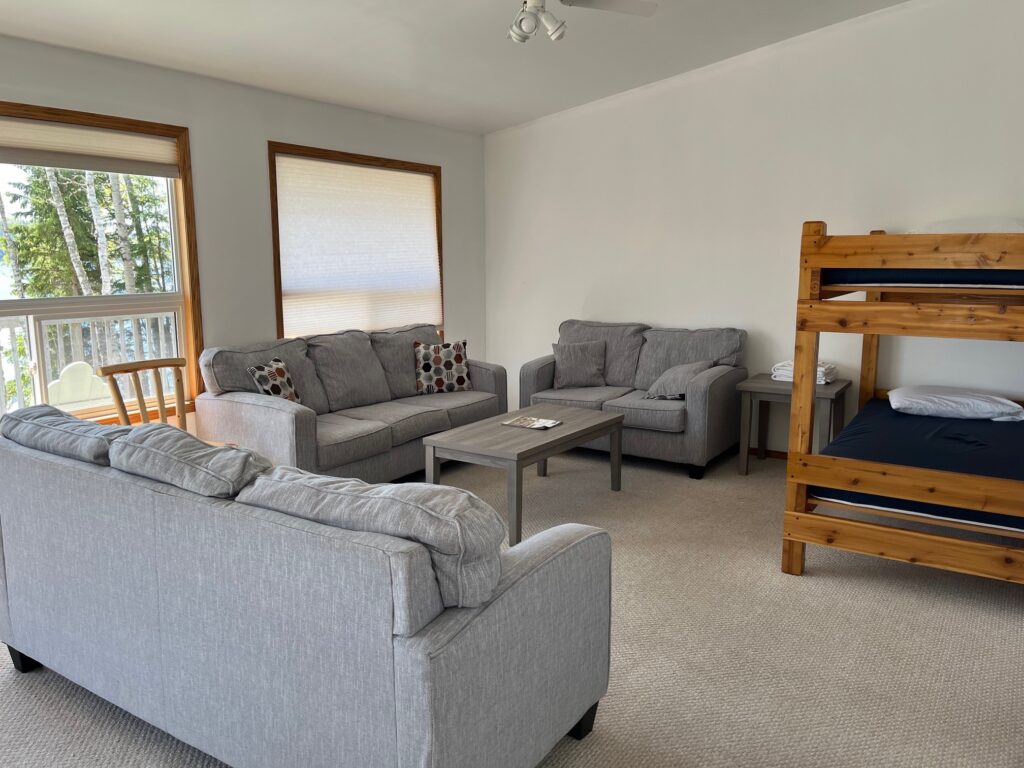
{"points": [[632, 7]]}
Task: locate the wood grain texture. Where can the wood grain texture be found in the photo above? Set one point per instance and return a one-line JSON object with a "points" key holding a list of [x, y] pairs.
{"points": [[950, 489], [923, 251], [953, 321], [868, 359], [881, 540]]}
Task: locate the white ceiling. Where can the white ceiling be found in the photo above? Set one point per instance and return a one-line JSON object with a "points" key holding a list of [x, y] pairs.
{"points": [[445, 62]]}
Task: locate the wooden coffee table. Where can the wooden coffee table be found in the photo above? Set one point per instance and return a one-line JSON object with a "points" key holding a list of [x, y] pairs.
{"points": [[492, 444]]}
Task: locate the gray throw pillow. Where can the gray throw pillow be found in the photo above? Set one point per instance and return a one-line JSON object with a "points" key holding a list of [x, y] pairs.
{"points": [[579, 365], [672, 384], [48, 429], [165, 453], [462, 534]]}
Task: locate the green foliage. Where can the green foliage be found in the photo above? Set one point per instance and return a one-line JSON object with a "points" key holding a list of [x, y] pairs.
{"points": [[42, 249], [25, 365]]}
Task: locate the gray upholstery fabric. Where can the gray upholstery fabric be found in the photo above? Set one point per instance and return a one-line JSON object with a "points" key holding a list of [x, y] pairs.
{"points": [[488, 377], [581, 397], [341, 440], [281, 431], [536, 376], [499, 686], [268, 640], [385, 467], [667, 347], [713, 409], [170, 455], [5, 613], [642, 413], [46, 428], [349, 370], [394, 350], [461, 407], [461, 532], [407, 422], [623, 342], [226, 369], [672, 384], [579, 364]]}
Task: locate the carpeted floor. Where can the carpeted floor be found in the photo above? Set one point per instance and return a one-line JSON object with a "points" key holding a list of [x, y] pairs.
{"points": [[719, 659]]}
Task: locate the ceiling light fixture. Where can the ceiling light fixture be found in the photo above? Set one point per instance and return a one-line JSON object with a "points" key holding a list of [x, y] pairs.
{"points": [[530, 17]]}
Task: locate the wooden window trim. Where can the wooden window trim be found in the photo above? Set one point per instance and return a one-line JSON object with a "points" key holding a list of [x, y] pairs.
{"points": [[275, 148], [192, 316]]}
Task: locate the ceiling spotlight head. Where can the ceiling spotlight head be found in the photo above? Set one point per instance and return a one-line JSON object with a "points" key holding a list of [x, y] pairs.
{"points": [[524, 26], [554, 27]]}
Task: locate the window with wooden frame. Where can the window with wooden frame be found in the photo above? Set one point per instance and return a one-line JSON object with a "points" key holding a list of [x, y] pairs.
{"points": [[97, 254], [357, 241]]}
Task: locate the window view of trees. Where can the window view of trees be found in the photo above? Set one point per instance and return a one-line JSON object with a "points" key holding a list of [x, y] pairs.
{"points": [[72, 233]]}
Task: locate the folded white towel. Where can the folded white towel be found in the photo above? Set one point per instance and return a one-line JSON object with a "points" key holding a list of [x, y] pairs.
{"points": [[827, 372], [789, 377]]}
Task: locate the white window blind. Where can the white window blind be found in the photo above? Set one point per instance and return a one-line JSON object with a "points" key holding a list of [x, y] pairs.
{"points": [[60, 145], [358, 246]]}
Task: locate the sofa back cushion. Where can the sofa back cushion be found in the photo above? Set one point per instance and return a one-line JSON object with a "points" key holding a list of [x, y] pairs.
{"points": [[170, 455], [350, 371], [48, 429], [666, 348], [227, 370], [394, 348], [462, 534], [622, 346]]}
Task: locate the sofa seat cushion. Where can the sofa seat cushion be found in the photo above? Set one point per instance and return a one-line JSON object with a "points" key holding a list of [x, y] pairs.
{"points": [[407, 422], [462, 534], [622, 346], [173, 456], [227, 370], [48, 429], [342, 440], [462, 407], [579, 397], [349, 369], [640, 412], [666, 348]]}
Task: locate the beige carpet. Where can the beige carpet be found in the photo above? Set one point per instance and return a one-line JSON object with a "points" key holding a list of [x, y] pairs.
{"points": [[718, 658]]}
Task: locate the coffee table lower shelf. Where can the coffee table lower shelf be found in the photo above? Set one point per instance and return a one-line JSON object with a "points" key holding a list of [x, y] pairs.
{"points": [[490, 443]]}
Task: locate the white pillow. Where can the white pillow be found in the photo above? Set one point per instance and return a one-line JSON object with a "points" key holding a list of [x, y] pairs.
{"points": [[954, 403]]}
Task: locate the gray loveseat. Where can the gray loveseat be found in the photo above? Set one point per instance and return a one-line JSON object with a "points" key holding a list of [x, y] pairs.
{"points": [[224, 609], [690, 431], [359, 414]]}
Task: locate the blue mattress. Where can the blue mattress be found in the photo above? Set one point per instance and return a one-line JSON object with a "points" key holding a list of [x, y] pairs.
{"points": [[992, 278], [878, 433]]}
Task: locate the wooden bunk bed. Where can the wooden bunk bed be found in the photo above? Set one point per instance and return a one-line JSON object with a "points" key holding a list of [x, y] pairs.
{"points": [[968, 286]]}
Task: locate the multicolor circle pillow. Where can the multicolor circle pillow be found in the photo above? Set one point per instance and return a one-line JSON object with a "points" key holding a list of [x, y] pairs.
{"points": [[441, 367], [273, 379]]}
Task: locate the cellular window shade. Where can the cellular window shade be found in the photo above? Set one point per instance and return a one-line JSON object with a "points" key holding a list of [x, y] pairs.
{"points": [[358, 246], [57, 145]]}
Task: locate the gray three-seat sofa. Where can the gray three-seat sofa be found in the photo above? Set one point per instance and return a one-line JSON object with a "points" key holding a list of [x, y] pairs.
{"points": [[359, 414], [280, 619], [690, 431]]}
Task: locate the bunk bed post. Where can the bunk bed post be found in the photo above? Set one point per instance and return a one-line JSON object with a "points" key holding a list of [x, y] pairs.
{"points": [[869, 354], [801, 420]]}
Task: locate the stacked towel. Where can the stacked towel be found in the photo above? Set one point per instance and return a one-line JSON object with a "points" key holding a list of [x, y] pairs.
{"points": [[827, 372]]}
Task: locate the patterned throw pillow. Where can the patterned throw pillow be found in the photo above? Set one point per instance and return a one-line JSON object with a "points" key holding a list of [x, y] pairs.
{"points": [[441, 367], [273, 379]]}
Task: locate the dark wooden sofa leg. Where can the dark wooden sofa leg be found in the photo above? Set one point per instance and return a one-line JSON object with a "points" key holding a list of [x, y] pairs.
{"points": [[696, 473], [23, 663], [586, 724]]}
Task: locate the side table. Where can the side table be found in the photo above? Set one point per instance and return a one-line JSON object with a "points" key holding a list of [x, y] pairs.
{"points": [[763, 390]]}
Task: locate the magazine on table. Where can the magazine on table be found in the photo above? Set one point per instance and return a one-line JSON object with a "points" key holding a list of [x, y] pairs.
{"points": [[531, 422]]}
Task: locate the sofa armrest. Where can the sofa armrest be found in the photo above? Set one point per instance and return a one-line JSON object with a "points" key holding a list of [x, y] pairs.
{"points": [[536, 376], [280, 430], [713, 409], [498, 685], [489, 377]]}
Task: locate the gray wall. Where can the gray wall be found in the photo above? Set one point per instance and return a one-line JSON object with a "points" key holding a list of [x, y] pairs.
{"points": [[229, 128]]}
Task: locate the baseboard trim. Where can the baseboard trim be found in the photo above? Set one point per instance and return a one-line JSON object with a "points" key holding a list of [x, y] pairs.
{"points": [[771, 454]]}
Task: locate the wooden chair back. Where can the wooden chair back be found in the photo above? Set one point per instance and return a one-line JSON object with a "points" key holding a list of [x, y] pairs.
{"points": [[176, 364]]}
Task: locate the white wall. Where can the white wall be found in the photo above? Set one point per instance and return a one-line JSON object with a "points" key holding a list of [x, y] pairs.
{"points": [[229, 127], [681, 203]]}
